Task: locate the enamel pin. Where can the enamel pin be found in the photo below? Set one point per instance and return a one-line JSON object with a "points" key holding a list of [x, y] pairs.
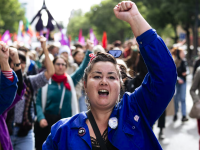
{"points": [[136, 118], [113, 123], [81, 131]]}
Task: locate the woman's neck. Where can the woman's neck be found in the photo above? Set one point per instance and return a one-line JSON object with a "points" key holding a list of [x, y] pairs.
{"points": [[101, 116]]}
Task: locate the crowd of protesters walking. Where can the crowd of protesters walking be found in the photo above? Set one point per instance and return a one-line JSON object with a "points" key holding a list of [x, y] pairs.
{"points": [[41, 86]]}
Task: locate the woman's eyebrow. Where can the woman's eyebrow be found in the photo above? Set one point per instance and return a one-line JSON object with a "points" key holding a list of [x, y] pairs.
{"points": [[97, 72], [112, 73]]}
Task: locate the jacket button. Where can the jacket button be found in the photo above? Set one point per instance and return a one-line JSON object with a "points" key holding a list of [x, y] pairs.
{"points": [[133, 127]]}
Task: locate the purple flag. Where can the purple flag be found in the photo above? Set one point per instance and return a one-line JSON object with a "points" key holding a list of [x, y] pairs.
{"points": [[6, 36], [64, 39], [93, 38]]}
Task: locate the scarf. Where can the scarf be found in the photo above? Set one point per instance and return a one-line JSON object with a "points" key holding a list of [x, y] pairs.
{"points": [[62, 78]]}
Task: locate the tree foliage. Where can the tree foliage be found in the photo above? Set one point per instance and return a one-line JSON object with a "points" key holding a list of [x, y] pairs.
{"points": [[10, 15], [77, 22]]}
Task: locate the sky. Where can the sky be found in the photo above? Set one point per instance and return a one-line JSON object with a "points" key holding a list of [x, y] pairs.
{"points": [[60, 9]]}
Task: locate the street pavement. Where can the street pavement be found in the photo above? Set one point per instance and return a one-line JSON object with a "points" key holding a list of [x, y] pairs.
{"points": [[180, 136]]}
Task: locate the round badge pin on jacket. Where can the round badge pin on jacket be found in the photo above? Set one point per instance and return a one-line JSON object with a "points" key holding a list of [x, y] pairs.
{"points": [[81, 131], [113, 123]]}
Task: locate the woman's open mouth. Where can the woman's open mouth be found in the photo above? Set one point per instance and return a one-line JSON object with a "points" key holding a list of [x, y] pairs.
{"points": [[103, 92]]}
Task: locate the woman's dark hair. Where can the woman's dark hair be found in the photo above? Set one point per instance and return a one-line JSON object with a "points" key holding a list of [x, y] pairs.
{"points": [[21, 56], [76, 52], [62, 57], [23, 48], [51, 47], [100, 57]]}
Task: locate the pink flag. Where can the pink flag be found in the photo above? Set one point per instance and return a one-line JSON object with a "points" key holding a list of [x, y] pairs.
{"points": [[6, 36], [82, 42], [80, 36], [93, 38]]}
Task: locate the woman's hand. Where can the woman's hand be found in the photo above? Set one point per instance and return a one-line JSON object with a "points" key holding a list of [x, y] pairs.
{"points": [[43, 40], [180, 81], [126, 10], [89, 45], [4, 52], [4, 55], [43, 123]]}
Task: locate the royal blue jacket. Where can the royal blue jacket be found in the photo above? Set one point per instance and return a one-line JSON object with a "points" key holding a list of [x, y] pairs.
{"points": [[137, 111], [7, 91]]}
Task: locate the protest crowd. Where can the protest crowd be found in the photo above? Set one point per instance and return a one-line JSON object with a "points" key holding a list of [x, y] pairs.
{"points": [[52, 96]]}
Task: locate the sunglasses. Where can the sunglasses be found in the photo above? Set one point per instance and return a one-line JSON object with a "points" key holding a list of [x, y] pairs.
{"points": [[115, 53], [58, 64]]}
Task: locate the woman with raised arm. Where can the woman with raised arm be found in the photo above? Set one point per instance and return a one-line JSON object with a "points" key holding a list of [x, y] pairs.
{"points": [[8, 79], [21, 118], [127, 124]]}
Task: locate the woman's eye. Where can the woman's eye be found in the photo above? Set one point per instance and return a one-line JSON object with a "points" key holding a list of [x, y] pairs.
{"points": [[97, 77], [111, 77]]}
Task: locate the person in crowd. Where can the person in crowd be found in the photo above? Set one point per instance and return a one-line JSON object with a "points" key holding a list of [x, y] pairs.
{"points": [[132, 60], [4, 136], [196, 97], [42, 62], [30, 68], [58, 99], [117, 45], [53, 50], [21, 118], [127, 124], [98, 48], [196, 65], [128, 50], [71, 66], [8, 79], [78, 56], [180, 93]]}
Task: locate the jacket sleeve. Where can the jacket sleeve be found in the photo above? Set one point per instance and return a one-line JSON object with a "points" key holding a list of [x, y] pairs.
{"points": [[158, 85], [77, 76], [39, 110], [17, 98], [195, 85], [7, 91]]}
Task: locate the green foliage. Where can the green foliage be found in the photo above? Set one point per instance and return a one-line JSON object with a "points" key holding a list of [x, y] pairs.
{"points": [[10, 15], [77, 22], [103, 19], [163, 15]]}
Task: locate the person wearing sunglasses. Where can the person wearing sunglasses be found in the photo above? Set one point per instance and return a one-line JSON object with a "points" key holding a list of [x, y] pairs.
{"points": [[58, 99], [125, 125]]}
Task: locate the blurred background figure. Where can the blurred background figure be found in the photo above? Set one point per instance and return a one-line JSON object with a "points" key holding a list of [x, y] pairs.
{"points": [[180, 94]]}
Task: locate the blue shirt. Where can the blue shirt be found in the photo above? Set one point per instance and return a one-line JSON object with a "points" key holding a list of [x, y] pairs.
{"points": [[137, 111], [7, 91]]}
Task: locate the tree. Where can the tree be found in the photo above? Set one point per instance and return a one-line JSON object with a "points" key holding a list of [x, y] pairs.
{"points": [[78, 21], [10, 15], [161, 13], [103, 19]]}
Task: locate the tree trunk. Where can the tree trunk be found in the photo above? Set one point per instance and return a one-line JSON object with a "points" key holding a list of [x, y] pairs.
{"points": [[189, 52], [176, 35]]}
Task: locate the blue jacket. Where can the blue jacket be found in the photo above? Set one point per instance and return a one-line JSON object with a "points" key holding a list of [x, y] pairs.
{"points": [[147, 102], [7, 91]]}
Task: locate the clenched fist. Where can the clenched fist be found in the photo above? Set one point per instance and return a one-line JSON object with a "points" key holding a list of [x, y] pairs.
{"points": [[4, 52], [126, 10]]}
